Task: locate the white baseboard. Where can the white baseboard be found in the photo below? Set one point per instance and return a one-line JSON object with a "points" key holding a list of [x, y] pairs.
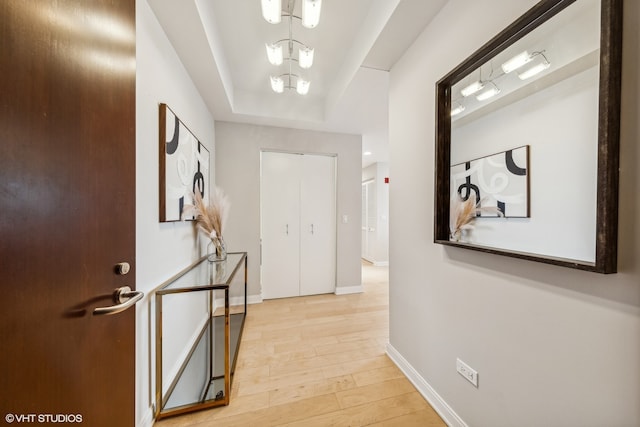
{"points": [[376, 263], [344, 290], [251, 299], [438, 403], [254, 299]]}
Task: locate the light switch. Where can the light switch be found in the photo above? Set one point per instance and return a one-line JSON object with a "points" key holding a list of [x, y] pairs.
{"points": [[345, 219]]}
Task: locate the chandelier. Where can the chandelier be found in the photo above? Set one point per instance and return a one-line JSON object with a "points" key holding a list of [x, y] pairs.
{"points": [[273, 13]]}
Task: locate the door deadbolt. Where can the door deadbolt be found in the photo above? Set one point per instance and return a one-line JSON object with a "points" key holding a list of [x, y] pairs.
{"points": [[122, 268]]}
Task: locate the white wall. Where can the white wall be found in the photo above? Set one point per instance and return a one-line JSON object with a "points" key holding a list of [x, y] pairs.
{"points": [[553, 346], [162, 249], [380, 246], [238, 174]]}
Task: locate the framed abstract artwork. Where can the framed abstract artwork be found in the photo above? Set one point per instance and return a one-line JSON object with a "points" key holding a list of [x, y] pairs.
{"points": [[499, 181], [184, 166]]}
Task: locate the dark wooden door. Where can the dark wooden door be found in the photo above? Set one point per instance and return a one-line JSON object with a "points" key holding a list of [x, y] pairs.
{"points": [[67, 210]]}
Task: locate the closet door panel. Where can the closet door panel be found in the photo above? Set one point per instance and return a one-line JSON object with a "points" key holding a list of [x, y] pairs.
{"points": [[280, 227], [317, 225], [364, 239], [369, 220]]}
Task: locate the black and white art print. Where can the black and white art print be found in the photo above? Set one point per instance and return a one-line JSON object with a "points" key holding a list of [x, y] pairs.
{"points": [[184, 166], [500, 180]]}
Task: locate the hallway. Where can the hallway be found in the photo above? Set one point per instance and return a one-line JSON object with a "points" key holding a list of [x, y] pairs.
{"points": [[319, 361]]}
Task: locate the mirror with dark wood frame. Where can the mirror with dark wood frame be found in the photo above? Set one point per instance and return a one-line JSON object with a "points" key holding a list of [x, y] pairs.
{"points": [[527, 139]]}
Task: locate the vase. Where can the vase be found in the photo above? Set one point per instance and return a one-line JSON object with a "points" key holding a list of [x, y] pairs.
{"points": [[216, 250]]}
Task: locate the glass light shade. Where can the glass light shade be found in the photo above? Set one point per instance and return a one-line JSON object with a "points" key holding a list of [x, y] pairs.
{"points": [[302, 86], [488, 93], [272, 11], [472, 88], [532, 71], [516, 62], [274, 53], [311, 13], [277, 84], [305, 57]]}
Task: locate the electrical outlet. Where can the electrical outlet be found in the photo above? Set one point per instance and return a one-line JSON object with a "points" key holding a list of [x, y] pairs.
{"points": [[467, 372]]}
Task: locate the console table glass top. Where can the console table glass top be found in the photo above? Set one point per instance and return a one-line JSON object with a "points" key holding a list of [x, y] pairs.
{"points": [[204, 275]]}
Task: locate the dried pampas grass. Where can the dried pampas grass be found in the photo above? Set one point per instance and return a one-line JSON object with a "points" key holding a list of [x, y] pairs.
{"points": [[463, 214], [211, 219]]}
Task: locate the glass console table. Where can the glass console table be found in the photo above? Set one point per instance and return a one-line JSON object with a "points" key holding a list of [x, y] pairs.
{"points": [[200, 316]]}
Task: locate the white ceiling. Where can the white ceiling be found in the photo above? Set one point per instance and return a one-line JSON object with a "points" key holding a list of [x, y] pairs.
{"points": [[222, 45]]}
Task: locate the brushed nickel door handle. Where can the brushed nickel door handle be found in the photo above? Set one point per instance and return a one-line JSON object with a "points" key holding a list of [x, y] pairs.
{"points": [[124, 298]]}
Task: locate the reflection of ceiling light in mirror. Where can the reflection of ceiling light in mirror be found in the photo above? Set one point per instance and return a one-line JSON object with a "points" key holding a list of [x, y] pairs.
{"points": [[516, 62], [535, 69], [459, 108], [472, 88], [490, 92]]}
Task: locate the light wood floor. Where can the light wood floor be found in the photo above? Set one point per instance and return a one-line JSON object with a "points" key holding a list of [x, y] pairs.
{"points": [[319, 361]]}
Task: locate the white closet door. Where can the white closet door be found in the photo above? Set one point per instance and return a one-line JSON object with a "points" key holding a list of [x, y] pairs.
{"points": [[317, 225], [280, 225], [371, 220], [364, 239]]}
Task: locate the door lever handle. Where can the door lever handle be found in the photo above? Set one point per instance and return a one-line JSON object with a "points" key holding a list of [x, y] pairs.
{"points": [[124, 297], [311, 228]]}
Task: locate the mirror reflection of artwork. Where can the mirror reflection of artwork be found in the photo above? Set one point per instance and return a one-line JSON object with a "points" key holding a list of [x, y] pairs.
{"points": [[184, 166], [551, 81], [498, 181]]}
